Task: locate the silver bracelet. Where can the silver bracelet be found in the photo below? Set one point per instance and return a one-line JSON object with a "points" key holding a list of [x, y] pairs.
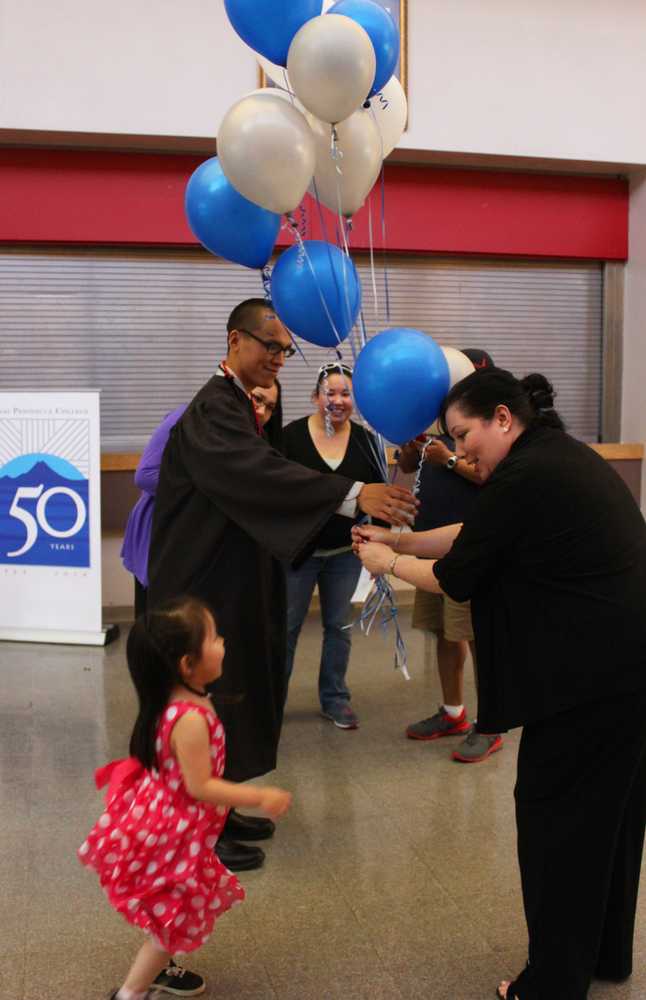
{"points": [[391, 568]]}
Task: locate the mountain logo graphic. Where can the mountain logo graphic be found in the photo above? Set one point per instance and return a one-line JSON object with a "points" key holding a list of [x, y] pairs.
{"points": [[43, 513]]}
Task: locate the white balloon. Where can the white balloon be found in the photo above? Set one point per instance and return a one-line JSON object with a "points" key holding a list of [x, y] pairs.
{"points": [[266, 149], [282, 95], [459, 365], [344, 183], [331, 64], [389, 108]]}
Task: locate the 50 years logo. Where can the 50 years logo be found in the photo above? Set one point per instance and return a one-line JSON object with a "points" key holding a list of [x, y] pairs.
{"points": [[43, 512]]}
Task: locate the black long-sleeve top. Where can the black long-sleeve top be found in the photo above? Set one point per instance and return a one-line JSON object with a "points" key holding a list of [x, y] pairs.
{"points": [[359, 464], [553, 559]]}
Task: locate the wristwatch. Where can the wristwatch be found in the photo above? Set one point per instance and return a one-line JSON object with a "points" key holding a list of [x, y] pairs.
{"points": [[452, 462]]}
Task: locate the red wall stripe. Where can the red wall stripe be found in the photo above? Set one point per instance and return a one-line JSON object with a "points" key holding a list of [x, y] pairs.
{"points": [[104, 197]]}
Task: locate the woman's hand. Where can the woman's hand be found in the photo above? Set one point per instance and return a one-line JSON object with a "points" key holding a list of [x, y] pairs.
{"points": [[373, 533], [375, 557], [274, 802], [388, 503], [437, 453]]}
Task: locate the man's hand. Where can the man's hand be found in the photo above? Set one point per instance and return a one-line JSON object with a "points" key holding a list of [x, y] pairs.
{"points": [[375, 557], [393, 504], [409, 455]]}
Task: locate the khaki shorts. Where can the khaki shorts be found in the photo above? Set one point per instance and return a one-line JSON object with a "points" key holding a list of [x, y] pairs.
{"points": [[440, 613]]}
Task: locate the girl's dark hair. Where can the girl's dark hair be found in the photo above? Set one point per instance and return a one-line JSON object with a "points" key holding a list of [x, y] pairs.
{"points": [[530, 399], [157, 642], [333, 368]]}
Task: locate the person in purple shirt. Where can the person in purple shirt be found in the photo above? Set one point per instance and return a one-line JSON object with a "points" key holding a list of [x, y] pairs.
{"points": [[136, 542]]}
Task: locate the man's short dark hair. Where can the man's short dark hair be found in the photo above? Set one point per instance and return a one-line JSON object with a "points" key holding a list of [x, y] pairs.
{"points": [[247, 315]]}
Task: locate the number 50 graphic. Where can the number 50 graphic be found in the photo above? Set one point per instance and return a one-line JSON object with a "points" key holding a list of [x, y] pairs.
{"points": [[33, 523]]}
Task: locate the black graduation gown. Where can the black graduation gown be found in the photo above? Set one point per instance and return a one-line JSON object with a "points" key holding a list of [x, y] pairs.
{"points": [[229, 510]]}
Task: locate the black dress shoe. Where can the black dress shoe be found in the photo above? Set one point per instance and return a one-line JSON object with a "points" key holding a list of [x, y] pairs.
{"points": [[238, 857], [239, 827]]}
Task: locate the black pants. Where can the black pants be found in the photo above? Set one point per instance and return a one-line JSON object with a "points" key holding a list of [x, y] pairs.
{"points": [[581, 812]]}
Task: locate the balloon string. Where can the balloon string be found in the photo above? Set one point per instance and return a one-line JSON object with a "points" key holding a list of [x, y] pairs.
{"points": [[327, 242], [381, 601], [265, 274], [372, 257], [304, 220], [377, 443], [384, 103], [288, 88], [383, 239], [420, 466], [327, 419], [337, 154], [320, 210], [304, 256]]}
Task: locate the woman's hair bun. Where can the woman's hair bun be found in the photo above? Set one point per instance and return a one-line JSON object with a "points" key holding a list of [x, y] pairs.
{"points": [[539, 391]]}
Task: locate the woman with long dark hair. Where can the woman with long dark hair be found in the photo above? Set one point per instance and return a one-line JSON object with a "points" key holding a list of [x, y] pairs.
{"points": [[329, 441], [553, 559]]}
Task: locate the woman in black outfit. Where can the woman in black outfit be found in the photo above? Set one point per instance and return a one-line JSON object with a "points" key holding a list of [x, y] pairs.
{"points": [[329, 441], [553, 558]]}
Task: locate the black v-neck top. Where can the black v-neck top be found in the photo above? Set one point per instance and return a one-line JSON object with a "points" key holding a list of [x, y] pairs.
{"points": [[359, 464], [553, 558]]}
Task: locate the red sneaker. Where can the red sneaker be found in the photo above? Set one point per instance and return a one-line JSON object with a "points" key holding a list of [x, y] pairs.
{"points": [[477, 747], [438, 725]]}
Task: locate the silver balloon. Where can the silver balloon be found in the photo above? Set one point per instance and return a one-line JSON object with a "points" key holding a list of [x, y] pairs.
{"points": [[266, 149], [344, 183], [331, 65]]}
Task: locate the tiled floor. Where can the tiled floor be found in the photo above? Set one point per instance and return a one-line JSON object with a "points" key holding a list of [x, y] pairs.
{"points": [[393, 876]]}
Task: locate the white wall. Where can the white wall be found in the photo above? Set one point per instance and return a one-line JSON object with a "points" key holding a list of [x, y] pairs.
{"points": [[633, 421], [151, 67], [542, 78]]}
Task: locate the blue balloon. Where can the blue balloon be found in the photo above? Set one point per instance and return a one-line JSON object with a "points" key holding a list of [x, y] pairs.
{"points": [[383, 33], [268, 26], [400, 381], [308, 289], [226, 223]]}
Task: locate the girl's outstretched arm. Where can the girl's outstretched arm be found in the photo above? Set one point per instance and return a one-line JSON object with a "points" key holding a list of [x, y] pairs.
{"points": [[191, 746]]}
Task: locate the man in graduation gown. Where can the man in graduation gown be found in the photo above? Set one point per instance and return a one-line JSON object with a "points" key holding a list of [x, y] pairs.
{"points": [[229, 511]]}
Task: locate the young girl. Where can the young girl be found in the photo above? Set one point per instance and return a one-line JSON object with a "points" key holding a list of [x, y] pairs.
{"points": [[166, 804]]}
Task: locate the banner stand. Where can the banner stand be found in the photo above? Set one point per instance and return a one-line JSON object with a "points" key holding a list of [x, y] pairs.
{"points": [[68, 638], [50, 518]]}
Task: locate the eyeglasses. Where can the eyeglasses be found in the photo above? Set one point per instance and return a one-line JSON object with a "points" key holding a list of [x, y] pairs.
{"points": [[261, 401], [271, 346]]}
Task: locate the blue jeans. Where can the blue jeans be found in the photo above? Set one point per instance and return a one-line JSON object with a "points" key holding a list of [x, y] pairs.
{"points": [[337, 578]]}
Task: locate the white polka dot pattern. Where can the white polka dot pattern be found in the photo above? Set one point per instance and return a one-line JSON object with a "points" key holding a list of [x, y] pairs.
{"points": [[153, 848]]}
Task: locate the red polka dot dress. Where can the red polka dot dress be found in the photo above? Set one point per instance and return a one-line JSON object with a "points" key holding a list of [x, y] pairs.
{"points": [[153, 846]]}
